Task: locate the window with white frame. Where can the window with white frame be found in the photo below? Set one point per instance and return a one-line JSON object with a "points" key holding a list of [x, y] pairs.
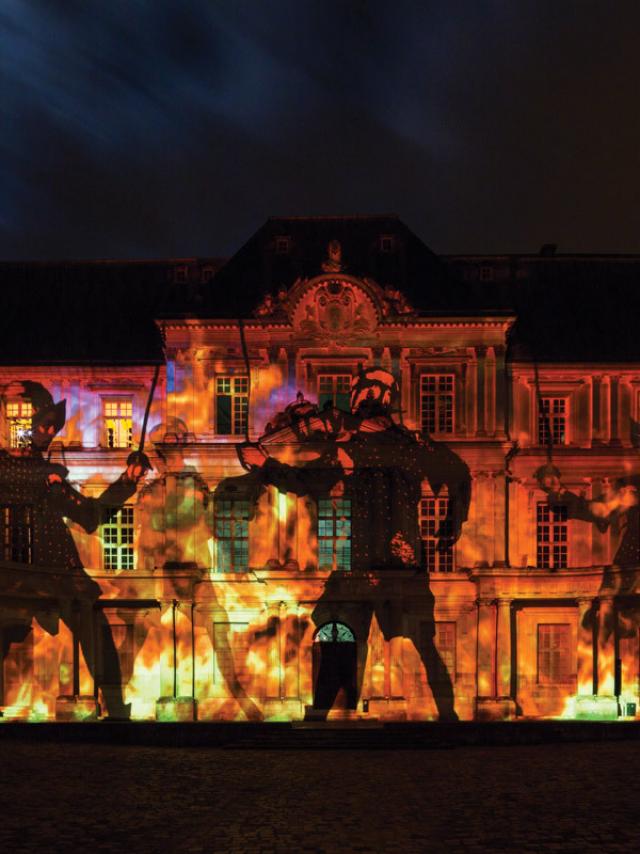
{"points": [[232, 402], [334, 534], [19, 415], [552, 536], [433, 513], [552, 420], [231, 527], [117, 538], [118, 421], [437, 403], [554, 653], [335, 390]]}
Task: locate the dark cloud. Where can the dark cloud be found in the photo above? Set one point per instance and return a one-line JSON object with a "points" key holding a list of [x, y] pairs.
{"points": [[154, 128]]}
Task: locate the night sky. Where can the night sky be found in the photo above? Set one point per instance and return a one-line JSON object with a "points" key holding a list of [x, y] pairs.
{"points": [[157, 128]]}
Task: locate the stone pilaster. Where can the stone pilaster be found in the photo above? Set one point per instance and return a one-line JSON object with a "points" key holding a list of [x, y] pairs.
{"points": [[585, 648], [481, 397], [503, 649]]}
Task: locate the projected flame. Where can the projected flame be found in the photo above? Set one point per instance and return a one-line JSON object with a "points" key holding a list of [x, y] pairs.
{"points": [[244, 552]]}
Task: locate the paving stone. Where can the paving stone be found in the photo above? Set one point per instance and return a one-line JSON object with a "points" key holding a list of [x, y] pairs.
{"points": [[568, 797]]}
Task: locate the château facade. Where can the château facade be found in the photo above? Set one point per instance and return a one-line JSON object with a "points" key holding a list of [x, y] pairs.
{"points": [[343, 509]]}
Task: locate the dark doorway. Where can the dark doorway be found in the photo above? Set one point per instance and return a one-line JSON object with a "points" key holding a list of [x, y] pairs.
{"points": [[335, 667]]}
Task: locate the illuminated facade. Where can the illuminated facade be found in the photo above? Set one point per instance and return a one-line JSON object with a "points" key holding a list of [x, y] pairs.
{"points": [[344, 515]]}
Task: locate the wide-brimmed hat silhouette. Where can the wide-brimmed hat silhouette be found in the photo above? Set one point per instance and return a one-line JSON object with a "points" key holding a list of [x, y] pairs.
{"points": [[45, 412]]}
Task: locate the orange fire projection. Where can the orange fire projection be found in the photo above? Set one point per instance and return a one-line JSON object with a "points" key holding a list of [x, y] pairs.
{"points": [[325, 556]]}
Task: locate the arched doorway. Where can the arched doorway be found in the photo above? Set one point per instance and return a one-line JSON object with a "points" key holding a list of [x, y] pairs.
{"points": [[334, 667]]}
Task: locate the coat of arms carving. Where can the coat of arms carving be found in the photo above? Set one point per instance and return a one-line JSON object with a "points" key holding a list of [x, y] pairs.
{"points": [[334, 308]]}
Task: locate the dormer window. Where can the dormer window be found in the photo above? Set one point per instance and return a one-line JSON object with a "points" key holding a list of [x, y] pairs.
{"points": [[181, 274], [283, 245]]}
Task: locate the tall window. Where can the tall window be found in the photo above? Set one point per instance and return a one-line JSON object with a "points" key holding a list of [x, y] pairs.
{"points": [[554, 653], [19, 414], [437, 403], [336, 390], [552, 420], [433, 512], [117, 538], [445, 643], [17, 532], [438, 644], [231, 526], [552, 536], [334, 533], [231, 405], [118, 422]]}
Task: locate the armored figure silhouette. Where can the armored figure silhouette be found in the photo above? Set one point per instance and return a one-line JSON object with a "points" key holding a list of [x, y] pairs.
{"points": [[366, 457], [39, 555]]}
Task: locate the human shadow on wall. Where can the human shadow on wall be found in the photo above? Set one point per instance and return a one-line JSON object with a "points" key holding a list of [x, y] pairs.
{"points": [[40, 561], [617, 508], [179, 524], [368, 471]]}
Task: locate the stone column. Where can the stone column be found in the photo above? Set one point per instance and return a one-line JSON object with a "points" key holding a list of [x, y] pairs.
{"points": [[596, 403], [605, 408], [274, 670], [606, 647], [500, 486], [78, 691], [614, 391], [503, 649], [599, 539], [486, 648], [494, 700], [604, 705], [165, 705], [490, 392], [484, 518], [471, 389], [481, 396], [501, 401], [585, 649], [171, 518]]}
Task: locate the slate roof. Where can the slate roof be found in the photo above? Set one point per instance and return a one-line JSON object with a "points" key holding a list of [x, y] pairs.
{"points": [[99, 312], [569, 308], [259, 268]]}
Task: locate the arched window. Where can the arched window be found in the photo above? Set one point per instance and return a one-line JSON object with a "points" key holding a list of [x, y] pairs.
{"points": [[334, 633]]}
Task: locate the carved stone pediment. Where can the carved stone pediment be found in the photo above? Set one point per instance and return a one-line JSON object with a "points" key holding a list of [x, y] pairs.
{"points": [[332, 306]]}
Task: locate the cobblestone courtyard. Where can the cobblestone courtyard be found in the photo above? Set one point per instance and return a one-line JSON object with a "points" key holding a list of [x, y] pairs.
{"points": [[71, 797]]}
